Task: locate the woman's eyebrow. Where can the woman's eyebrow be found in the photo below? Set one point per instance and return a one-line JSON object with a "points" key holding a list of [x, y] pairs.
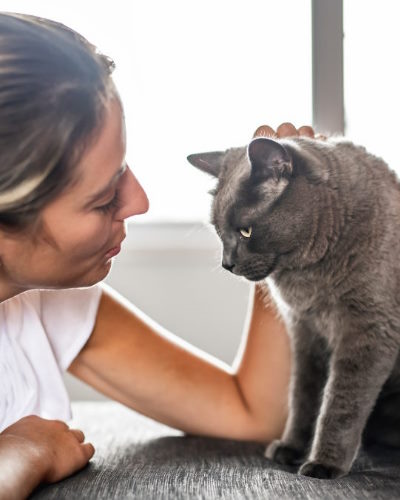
{"points": [[100, 194]]}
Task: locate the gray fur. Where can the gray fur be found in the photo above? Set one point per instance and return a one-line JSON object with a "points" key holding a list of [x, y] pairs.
{"points": [[325, 220]]}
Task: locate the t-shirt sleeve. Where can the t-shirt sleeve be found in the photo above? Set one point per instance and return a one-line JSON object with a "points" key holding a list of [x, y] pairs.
{"points": [[68, 317]]}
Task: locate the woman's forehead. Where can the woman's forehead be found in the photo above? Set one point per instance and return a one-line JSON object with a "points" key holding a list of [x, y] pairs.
{"points": [[105, 156]]}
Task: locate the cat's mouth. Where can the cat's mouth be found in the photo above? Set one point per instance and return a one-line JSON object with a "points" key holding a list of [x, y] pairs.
{"points": [[257, 277], [255, 272]]}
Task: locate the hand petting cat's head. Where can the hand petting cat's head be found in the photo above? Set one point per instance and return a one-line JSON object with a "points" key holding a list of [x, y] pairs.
{"points": [[262, 207]]}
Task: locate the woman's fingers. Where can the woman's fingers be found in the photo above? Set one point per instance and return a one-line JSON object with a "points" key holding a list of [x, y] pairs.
{"points": [[88, 450], [80, 436], [306, 130], [286, 130], [264, 131]]}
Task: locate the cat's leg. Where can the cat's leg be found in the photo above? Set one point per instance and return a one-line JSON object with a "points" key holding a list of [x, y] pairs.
{"points": [[359, 367], [309, 373]]}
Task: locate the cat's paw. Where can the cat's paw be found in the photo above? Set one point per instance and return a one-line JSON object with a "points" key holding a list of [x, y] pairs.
{"points": [[321, 471], [283, 454]]}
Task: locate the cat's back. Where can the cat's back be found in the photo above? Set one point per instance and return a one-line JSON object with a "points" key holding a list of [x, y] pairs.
{"points": [[349, 163], [364, 262], [365, 185], [370, 182]]}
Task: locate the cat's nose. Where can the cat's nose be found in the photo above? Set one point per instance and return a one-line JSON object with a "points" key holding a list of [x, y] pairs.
{"points": [[228, 266], [228, 259]]}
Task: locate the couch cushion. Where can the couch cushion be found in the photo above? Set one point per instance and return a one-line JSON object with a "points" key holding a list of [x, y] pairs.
{"points": [[142, 459]]}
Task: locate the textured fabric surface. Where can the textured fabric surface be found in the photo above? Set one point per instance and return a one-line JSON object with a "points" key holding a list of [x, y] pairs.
{"points": [[142, 459]]}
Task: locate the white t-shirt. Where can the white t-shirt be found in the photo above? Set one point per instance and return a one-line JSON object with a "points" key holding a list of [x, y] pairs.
{"points": [[41, 332]]}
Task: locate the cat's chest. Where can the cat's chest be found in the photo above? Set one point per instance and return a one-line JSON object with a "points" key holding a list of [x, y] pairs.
{"points": [[304, 294], [316, 305]]}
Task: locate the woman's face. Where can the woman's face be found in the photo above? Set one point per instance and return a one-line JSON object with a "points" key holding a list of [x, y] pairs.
{"points": [[84, 227]]}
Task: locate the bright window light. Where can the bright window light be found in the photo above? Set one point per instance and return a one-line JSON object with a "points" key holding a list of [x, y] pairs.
{"points": [[194, 76], [372, 77]]}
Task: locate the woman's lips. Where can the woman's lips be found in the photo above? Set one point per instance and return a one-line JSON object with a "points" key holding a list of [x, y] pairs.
{"points": [[113, 251]]}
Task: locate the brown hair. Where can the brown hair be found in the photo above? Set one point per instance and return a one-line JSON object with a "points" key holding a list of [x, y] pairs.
{"points": [[53, 88]]}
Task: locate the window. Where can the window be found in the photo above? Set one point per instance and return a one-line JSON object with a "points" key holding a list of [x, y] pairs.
{"points": [[371, 76], [194, 76]]}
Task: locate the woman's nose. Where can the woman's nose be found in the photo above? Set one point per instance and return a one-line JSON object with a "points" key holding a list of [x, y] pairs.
{"points": [[133, 199]]}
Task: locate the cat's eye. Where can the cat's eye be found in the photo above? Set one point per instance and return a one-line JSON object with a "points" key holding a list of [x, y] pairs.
{"points": [[246, 232]]}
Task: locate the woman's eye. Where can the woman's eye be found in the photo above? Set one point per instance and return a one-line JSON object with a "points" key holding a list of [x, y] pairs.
{"points": [[111, 205], [246, 232]]}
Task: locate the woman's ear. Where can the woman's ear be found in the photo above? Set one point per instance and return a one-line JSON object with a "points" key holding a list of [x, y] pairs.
{"points": [[210, 163]]}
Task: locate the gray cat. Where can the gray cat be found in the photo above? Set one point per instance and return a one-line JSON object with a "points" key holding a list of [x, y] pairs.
{"points": [[321, 220]]}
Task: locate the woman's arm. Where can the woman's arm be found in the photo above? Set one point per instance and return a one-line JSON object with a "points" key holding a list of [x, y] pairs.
{"points": [[132, 360], [20, 473]]}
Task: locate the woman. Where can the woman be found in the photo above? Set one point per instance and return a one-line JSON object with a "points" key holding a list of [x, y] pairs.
{"points": [[65, 192]]}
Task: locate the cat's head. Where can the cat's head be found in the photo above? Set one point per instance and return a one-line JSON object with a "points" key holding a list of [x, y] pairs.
{"points": [[261, 208]]}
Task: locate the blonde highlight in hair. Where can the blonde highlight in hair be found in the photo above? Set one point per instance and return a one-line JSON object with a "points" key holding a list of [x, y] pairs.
{"points": [[17, 194]]}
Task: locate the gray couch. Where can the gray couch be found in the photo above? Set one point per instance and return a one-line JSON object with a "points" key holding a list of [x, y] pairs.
{"points": [[141, 459]]}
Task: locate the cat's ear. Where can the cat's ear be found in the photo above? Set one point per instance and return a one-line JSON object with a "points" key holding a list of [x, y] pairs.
{"points": [[268, 159], [210, 163]]}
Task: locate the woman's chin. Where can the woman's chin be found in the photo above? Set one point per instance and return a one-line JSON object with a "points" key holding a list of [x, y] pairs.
{"points": [[106, 268], [96, 275]]}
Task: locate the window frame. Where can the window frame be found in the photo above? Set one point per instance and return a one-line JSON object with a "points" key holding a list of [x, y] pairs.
{"points": [[327, 66]]}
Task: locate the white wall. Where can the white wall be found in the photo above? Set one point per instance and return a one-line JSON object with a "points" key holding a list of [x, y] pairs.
{"points": [[173, 273]]}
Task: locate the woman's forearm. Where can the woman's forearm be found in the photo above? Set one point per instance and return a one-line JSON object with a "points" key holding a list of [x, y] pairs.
{"points": [[35, 449], [133, 361], [20, 473], [262, 365]]}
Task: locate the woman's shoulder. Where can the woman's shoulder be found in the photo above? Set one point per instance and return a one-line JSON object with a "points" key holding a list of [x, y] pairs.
{"points": [[54, 300]]}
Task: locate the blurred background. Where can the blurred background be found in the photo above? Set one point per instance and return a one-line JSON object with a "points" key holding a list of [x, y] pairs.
{"points": [[197, 76]]}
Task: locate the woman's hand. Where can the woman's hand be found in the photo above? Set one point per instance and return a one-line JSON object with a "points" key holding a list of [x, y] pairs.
{"points": [[287, 130], [34, 449]]}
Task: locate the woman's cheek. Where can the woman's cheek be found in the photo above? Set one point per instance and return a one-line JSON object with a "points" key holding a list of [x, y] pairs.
{"points": [[102, 230], [93, 236]]}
